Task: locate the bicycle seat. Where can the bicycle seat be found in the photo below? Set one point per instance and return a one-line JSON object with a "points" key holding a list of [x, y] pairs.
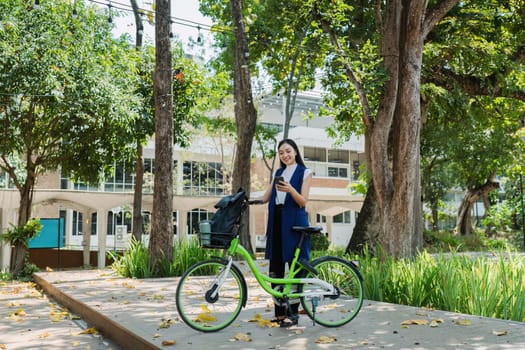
{"points": [[307, 229]]}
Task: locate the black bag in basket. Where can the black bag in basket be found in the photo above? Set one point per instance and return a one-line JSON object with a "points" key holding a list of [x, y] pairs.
{"points": [[228, 213]]}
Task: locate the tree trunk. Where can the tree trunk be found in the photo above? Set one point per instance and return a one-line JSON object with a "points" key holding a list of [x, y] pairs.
{"points": [[464, 221], [161, 241], [137, 194], [367, 228], [245, 115], [19, 251], [139, 165]]}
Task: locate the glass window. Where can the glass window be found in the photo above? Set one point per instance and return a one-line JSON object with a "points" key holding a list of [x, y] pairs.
{"points": [[343, 218], [202, 179]]}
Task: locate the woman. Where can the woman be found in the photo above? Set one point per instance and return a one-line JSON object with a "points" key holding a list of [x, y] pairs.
{"points": [[287, 199]]}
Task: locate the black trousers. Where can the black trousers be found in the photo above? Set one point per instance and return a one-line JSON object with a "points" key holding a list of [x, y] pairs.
{"points": [[277, 265]]}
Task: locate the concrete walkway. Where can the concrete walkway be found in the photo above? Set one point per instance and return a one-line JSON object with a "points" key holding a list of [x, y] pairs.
{"points": [[141, 314]]}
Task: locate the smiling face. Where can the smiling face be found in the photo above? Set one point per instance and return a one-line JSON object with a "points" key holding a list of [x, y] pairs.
{"points": [[287, 154]]}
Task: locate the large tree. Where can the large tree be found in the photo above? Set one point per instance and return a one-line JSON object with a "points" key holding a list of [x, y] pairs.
{"points": [[161, 241], [64, 97]]}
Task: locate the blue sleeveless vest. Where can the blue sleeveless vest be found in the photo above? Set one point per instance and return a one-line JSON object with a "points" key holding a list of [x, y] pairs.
{"points": [[292, 215]]}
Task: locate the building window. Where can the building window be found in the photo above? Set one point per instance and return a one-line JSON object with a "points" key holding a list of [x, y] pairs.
{"points": [[337, 172], [343, 218], [202, 178], [196, 215], [121, 180], [77, 223], [117, 217]]}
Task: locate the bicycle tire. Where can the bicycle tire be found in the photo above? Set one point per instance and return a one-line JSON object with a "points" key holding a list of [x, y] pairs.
{"points": [[334, 310], [196, 305]]}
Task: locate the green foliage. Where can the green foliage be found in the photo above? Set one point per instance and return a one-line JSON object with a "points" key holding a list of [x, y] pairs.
{"points": [[477, 241], [6, 276], [21, 235], [490, 285], [135, 262], [319, 242], [28, 270], [185, 254], [66, 94]]}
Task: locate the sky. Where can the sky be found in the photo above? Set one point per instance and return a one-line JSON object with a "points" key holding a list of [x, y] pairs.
{"points": [[186, 11]]}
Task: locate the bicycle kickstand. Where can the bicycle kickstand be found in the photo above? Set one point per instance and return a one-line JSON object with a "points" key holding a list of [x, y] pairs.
{"points": [[315, 301]]}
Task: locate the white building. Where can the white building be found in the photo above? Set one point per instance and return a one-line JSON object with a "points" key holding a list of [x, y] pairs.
{"points": [[99, 219]]}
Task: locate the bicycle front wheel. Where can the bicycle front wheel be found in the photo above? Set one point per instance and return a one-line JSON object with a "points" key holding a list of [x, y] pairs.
{"points": [[334, 310], [209, 298]]}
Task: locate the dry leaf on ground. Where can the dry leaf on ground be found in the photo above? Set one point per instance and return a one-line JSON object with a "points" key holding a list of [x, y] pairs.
{"points": [[325, 340], [464, 322], [416, 322], [243, 337], [168, 342], [500, 333]]}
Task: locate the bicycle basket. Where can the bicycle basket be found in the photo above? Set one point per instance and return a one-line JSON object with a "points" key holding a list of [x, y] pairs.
{"points": [[217, 240]]}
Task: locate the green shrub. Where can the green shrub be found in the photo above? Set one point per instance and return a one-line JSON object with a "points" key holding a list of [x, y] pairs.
{"points": [[319, 242]]}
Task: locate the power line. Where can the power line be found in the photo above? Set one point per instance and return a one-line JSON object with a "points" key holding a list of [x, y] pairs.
{"points": [[174, 20]]}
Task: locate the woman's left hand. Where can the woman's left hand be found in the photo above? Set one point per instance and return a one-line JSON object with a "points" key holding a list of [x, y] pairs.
{"points": [[284, 186]]}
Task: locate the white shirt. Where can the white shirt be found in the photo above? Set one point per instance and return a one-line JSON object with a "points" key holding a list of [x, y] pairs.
{"points": [[287, 175]]}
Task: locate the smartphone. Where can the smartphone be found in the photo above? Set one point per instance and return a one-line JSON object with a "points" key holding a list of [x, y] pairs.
{"points": [[278, 179]]}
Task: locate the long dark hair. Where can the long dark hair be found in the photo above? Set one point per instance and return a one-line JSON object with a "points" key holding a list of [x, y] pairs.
{"points": [[298, 158]]}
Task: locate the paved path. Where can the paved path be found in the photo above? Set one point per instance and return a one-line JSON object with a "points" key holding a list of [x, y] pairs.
{"points": [[141, 314]]}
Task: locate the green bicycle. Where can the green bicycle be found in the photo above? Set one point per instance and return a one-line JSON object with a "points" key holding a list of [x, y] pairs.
{"points": [[211, 293]]}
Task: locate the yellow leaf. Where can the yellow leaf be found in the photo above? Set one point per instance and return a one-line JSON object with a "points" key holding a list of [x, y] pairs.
{"points": [[156, 335], [3, 346], [43, 335], [267, 324], [48, 269], [500, 333], [206, 317], [90, 330], [204, 308], [168, 342], [256, 318], [166, 323], [76, 343], [243, 337], [416, 322], [463, 322], [435, 323], [325, 340]]}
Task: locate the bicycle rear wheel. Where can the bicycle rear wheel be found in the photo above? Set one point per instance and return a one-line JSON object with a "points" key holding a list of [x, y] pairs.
{"points": [[202, 303], [339, 309]]}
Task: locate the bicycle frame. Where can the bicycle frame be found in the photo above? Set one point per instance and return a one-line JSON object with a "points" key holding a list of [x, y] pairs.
{"points": [[288, 281]]}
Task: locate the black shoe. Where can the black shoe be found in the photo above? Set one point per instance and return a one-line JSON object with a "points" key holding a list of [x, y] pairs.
{"points": [[289, 321]]}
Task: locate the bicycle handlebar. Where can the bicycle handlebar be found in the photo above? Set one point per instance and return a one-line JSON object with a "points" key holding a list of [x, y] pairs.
{"points": [[255, 202]]}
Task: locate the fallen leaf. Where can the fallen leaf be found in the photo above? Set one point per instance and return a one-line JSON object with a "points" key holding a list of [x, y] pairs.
{"points": [[3, 346], [90, 330], [243, 337], [416, 322], [76, 343], [168, 342], [325, 340], [156, 335], [44, 335], [267, 324], [256, 318], [463, 322], [500, 333], [435, 322], [166, 323], [205, 317]]}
